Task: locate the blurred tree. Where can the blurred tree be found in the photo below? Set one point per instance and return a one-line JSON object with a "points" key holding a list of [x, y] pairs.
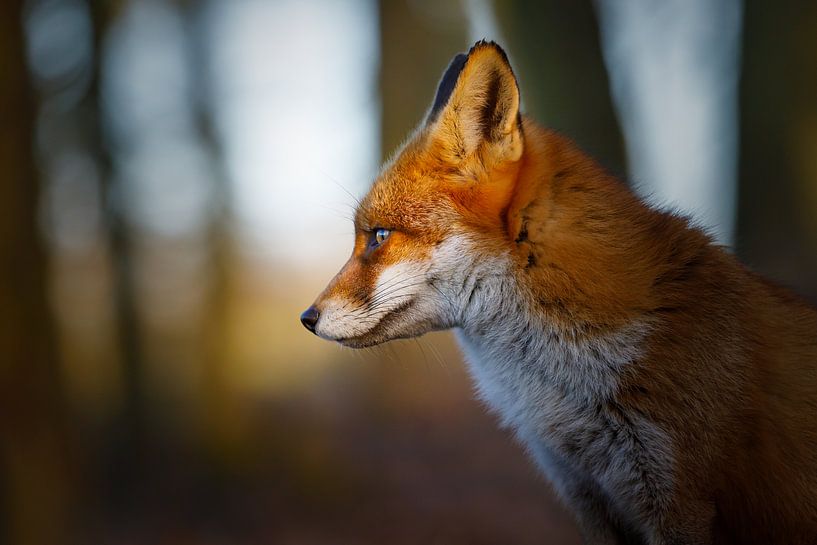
{"points": [[418, 40], [128, 427], [554, 47], [218, 410], [777, 216], [35, 459], [674, 71]]}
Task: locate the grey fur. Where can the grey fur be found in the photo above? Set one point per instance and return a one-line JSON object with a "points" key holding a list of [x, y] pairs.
{"points": [[557, 392]]}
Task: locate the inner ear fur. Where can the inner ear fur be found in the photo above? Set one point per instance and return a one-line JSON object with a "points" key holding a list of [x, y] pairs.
{"points": [[482, 111]]}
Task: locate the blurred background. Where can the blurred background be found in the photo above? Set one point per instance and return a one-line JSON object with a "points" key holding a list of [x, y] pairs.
{"points": [[177, 179]]}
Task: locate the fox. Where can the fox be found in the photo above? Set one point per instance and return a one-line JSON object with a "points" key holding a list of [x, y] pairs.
{"points": [[667, 392]]}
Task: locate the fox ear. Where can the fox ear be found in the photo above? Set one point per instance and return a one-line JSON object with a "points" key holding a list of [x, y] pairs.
{"points": [[446, 86], [477, 108]]}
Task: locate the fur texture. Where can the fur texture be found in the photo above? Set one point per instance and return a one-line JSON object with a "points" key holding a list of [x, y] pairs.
{"points": [[667, 392]]}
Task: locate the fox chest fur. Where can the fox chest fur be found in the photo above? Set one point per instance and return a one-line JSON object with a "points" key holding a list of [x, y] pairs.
{"points": [[556, 390]]}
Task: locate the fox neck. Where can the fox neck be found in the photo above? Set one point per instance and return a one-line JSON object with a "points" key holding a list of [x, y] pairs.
{"points": [[523, 360], [554, 319]]}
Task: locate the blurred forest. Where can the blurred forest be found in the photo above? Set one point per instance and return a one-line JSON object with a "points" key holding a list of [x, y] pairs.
{"points": [[176, 178]]}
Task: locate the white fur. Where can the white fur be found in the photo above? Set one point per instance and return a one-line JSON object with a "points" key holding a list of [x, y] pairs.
{"points": [[338, 319], [345, 318]]}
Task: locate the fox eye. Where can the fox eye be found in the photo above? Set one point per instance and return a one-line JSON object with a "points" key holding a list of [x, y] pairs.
{"points": [[379, 236]]}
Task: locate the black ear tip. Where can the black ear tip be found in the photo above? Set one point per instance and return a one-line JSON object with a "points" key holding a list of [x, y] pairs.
{"points": [[452, 74], [455, 67], [458, 61], [447, 83]]}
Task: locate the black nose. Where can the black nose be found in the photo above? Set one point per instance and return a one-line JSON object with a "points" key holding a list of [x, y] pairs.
{"points": [[310, 317]]}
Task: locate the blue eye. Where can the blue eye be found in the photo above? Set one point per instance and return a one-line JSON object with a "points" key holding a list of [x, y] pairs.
{"points": [[379, 236]]}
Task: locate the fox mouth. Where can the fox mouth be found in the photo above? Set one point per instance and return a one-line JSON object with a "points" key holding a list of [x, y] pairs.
{"points": [[377, 334]]}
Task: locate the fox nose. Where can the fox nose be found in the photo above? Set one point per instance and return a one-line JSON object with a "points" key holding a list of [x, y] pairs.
{"points": [[310, 318]]}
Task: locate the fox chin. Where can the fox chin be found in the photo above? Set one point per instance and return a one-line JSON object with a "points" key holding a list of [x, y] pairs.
{"points": [[668, 393]]}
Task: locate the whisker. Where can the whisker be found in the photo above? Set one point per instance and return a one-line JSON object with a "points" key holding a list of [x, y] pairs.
{"points": [[393, 283], [390, 287], [398, 280], [439, 359], [384, 303], [395, 292]]}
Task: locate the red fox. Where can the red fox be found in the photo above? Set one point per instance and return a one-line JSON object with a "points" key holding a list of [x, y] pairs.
{"points": [[668, 393]]}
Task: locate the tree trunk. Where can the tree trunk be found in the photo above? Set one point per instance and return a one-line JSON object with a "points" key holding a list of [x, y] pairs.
{"points": [[777, 203], [556, 52], [35, 461], [416, 47]]}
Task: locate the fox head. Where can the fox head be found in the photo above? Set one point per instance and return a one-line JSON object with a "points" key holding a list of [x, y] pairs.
{"points": [[442, 208]]}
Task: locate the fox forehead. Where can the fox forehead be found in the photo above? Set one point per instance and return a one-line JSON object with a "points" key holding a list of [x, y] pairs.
{"points": [[410, 195]]}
